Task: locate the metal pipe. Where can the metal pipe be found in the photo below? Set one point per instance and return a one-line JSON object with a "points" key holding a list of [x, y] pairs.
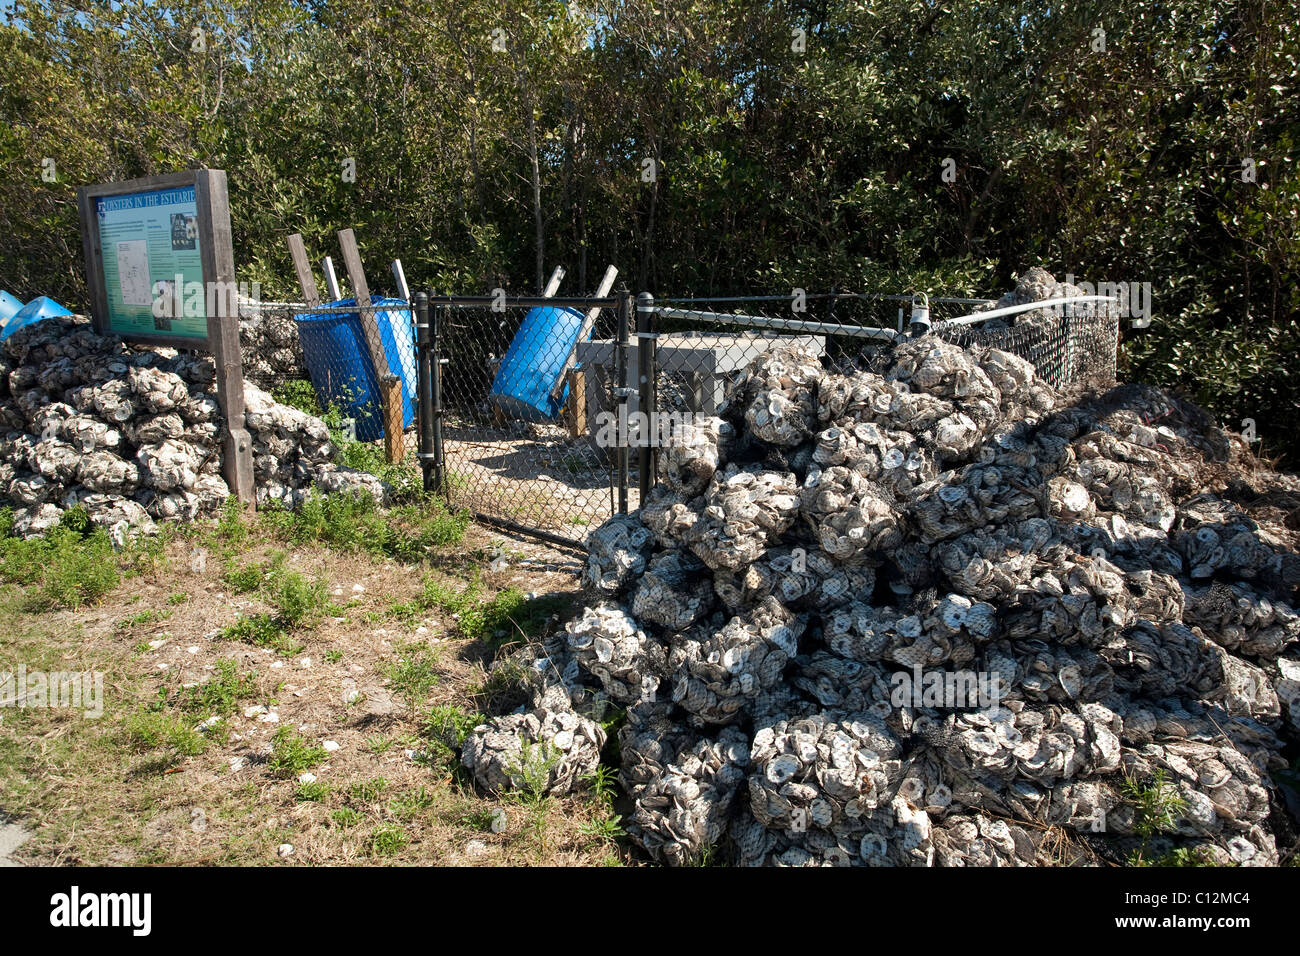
{"points": [[1026, 307], [621, 392], [424, 377], [648, 400], [766, 322], [530, 532], [435, 391]]}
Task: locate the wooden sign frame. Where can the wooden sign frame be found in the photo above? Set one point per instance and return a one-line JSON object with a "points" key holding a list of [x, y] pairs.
{"points": [[218, 266]]}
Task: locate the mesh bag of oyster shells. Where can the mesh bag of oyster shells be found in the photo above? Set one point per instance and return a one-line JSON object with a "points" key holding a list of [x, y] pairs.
{"points": [[932, 610], [133, 434], [268, 341]]}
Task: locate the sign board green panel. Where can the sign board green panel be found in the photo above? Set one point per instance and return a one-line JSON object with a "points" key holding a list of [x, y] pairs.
{"points": [[153, 270]]}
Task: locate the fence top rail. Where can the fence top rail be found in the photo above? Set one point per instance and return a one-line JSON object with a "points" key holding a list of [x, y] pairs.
{"points": [[837, 296], [769, 322], [523, 301]]}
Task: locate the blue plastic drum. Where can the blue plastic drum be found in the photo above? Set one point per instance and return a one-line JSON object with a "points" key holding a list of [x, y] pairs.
{"points": [[534, 363], [338, 361]]}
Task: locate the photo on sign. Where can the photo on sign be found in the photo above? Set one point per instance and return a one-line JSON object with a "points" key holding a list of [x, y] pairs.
{"points": [[185, 231]]}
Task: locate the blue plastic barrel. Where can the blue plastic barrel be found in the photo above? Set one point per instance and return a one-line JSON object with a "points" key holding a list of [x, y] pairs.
{"points": [[9, 306], [533, 364], [338, 361], [33, 312]]}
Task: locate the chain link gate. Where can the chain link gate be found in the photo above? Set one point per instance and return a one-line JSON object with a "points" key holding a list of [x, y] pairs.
{"points": [[510, 407]]}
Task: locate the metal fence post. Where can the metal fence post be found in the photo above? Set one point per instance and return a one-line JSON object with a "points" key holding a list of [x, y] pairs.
{"points": [[621, 391], [435, 393], [647, 394], [424, 374]]}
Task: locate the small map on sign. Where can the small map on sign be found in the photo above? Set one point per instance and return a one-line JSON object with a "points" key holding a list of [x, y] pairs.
{"points": [[133, 271]]}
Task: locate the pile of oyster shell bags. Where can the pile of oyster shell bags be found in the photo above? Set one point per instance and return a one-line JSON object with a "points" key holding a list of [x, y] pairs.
{"points": [[938, 613], [133, 434]]}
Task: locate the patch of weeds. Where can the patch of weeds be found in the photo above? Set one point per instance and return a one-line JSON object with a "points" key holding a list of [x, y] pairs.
{"points": [[153, 730], [221, 695], [369, 790], [345, 818], [603, 782], [413, 675], [1157, 808], [479, 819], [292, 754], [380, 745], [1179, 857], [411, 803], [180, 597], [243, 578], [449, 725], [315, 792], [606, 829], [388, 839], [150, 616], [230, 526], [262, 630], [530, 775], [355, 523], [333, 655], [298, 393], [507, 615], [68, 569], [299, 599]]}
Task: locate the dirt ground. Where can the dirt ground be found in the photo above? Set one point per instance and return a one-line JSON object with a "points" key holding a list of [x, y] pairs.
{"points": [[89, 791]]}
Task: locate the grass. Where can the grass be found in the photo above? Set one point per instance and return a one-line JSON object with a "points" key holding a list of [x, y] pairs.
{"points": [[152, 730], [292, 754], [262, 630], [220, 695], [413, 674], [355, 524], [65, 568], [299, 602], [388, 839], [505, 615]]}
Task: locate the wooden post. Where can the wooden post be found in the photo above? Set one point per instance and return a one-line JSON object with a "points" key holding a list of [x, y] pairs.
{"points": [[389, 383], [575, 409], [303, 268], [553, 284], [394, 444], [223, 335]]}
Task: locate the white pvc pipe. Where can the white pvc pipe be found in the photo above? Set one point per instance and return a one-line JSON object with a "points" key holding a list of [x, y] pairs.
{"points": [[1027, 307], [797, 325]]}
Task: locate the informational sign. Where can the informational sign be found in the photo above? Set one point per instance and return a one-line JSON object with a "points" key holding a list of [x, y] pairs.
{"points": [[153, 266], [161, 271]]}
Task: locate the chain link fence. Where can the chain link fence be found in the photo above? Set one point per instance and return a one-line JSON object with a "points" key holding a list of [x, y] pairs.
{"points": [[534, 403]]}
